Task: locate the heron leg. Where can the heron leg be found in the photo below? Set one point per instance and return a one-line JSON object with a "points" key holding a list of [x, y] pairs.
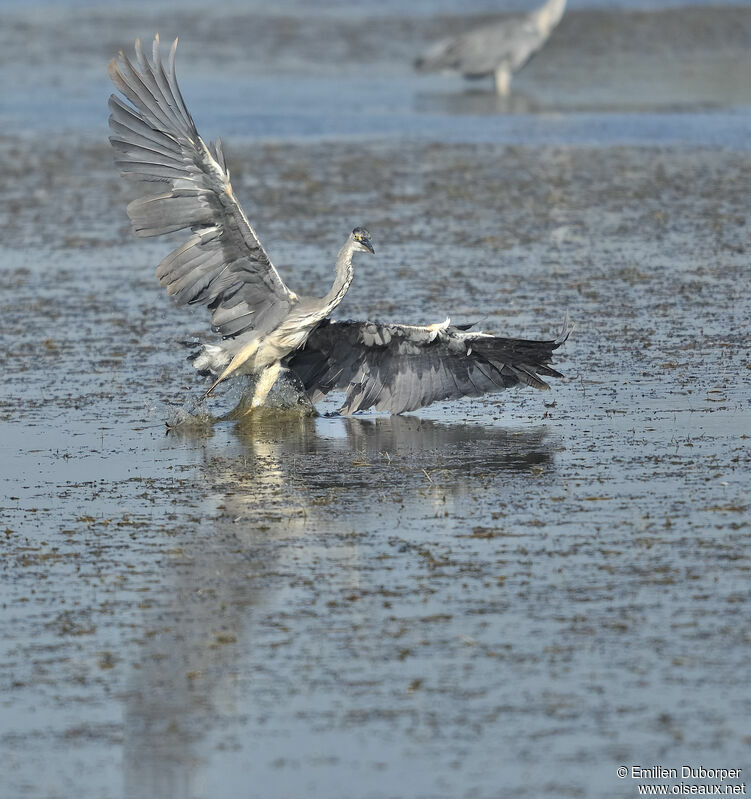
{"points": [[502, 77], [265, 384], [248, 351]]}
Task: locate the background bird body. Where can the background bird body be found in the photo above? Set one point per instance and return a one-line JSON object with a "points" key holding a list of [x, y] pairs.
{"points": [[401, 368], [266, 328], [498, 49]]}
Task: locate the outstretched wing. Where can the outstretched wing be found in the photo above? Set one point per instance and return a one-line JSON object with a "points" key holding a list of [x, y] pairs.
{"points": [[400, 368], [223, 264]]}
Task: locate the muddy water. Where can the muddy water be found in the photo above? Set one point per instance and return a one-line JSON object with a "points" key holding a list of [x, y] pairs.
{"points": [[509, 596]]}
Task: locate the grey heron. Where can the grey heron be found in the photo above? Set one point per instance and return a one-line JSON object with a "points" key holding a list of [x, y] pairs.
{"points": [[268, 330], [498, 49]]}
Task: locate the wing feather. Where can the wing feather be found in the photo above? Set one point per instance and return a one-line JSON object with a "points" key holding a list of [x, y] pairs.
{"points": [[124, 120], [172, 77], [400, 368], [165, 213], [156, 140], [145, 150]]}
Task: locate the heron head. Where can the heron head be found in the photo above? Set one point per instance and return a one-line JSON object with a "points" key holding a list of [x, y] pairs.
{"points": [[361, 240]]}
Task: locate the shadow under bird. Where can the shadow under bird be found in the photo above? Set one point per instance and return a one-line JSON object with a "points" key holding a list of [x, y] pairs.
{"points": [[268, 330], [498, 49]]}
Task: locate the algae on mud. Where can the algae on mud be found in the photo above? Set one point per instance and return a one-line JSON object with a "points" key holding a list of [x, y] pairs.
{"points": [[504, 572]]}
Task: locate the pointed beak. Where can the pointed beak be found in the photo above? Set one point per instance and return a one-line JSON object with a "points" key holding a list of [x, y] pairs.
{"points": [[368, 246]]}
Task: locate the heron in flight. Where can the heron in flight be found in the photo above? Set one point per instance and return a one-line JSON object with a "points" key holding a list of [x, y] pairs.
{"points": [[498, 49], [267, 330]]}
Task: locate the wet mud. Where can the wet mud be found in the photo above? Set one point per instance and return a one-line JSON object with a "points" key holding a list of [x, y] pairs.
{"points": [[506, 596]]}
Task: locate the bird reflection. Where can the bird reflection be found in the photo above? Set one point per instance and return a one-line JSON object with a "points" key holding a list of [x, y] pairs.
{"points": [[457, 447], [473, 102], [278, 496]]}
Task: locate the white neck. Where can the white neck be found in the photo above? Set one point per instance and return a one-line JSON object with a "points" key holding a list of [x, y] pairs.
{"points": [[344, 274]]}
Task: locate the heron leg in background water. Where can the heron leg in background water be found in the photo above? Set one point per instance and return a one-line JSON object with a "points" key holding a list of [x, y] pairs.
{"points": [[502, 78]]}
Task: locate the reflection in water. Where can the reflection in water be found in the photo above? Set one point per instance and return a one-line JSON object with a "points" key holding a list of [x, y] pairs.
{"points": [[667, 99], [276, 494], [456, 447], [476, 102]]}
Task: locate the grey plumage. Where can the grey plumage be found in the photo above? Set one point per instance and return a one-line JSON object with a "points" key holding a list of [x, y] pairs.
{"points": [[267, 328], [223, 264], [497, 49], [400, 368]]}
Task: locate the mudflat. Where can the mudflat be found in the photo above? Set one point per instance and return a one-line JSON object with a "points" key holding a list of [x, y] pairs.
{"points": [[494, 597]]}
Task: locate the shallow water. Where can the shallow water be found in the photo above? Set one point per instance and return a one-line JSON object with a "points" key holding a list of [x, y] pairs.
{"points": [[509, 596]]}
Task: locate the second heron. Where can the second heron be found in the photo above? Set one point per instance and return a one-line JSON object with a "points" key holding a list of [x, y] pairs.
{"points": [[496, 50]]}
